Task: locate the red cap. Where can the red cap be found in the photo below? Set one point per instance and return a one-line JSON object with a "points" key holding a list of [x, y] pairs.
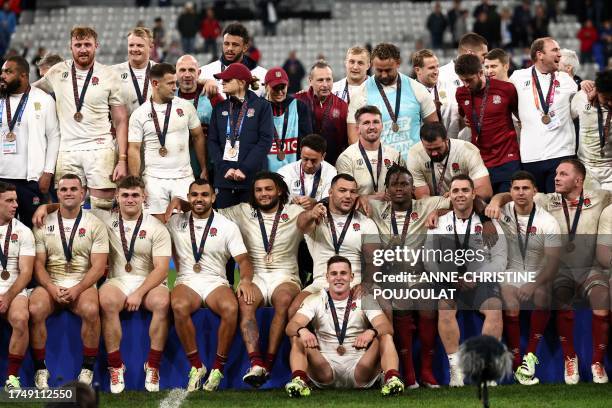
{"points": [[276, 76], [237, 70]]}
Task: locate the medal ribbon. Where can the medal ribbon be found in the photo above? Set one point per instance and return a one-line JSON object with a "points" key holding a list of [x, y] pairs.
{"points": [[604, 130], [128, 253], [369, 165], [161, 135], [197, 252], [437, 103], [269, 243], [142, 97], [345, 94], [280, 144], [340, 333], [338, 241], [78, 100], [404, 227], [438, 186], [477, 121], [232, 132], [67, 246], [315, 182], [12, 121], [398, 97], [523, 247], [550, 96], [466, 237], [572, 231], [4, 254]]}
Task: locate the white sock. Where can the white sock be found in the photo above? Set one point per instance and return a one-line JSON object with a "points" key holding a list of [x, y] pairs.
{"points": [[453, 359]]}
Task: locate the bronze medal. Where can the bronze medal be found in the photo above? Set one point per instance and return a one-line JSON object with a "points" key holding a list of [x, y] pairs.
{"points": [[341, 350], [197, 268], [11, 137], [163, 152], [232, 152], [78, 116], [570, 247], [545, 119], [128, 267], [268, 259], [280, 156], [5, 275], [395, 127]]}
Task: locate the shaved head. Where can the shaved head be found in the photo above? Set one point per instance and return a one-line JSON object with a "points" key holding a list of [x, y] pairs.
{"points": [[187, 73], [187, 59]]}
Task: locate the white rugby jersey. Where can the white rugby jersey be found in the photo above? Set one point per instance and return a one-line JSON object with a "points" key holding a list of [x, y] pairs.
{"points": [[21, 243], [291, 173]]}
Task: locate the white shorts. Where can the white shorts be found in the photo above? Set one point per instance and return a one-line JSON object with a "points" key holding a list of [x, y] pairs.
{"points": [[343, 371], [66, 283], [202, 285], [268, 282], [602, 176], [5, 288], [94, 167], [128, 284], [161, 191]]}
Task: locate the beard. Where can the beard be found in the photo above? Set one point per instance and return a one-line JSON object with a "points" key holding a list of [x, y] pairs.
{"points": [[9, 88], [271, 205], [439, 158]]}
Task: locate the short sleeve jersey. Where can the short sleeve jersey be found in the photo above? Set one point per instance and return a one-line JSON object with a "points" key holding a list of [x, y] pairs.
{"points": [[183, 118], [292, 173], [21, 243]]}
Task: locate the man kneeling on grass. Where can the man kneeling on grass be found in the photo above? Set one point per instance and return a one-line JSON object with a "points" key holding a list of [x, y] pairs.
{"points": [[349, 345]]}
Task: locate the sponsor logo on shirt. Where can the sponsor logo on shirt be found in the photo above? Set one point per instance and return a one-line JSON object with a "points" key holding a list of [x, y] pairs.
{"points": [[124, 76]]}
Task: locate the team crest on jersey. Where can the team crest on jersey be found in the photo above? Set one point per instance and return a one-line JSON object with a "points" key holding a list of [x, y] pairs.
{"points": [[414, 216], [353, 306], [250, 112], [466, 103], [587, 202], [478, 229], [142, 234], [442, 94], [35, 201], [496, 99], [124, 76], [533, 230], [179, 112], [14, 238], [387, 163], [335, 113], [95, 81], [455, 167], [213, 232], [37, 106], [356, 226], [82, 232], [65, 75], [284, 217]]}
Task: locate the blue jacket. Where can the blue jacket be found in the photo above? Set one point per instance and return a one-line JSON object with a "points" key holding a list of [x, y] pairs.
{"points": [[255, 140]]}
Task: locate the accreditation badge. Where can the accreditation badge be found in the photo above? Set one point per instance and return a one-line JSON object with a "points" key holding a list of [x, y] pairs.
{"points": [[9, 144]]}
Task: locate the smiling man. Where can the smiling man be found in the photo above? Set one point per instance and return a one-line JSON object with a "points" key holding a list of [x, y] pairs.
{"points": [[544, 97], [351, 357], [356, 64], [292, 120], [88, 97]]}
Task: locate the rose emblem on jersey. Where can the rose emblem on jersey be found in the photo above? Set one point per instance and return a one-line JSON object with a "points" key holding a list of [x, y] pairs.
{"points": [[353, 306], [14, 237], [455, 167], [82, 232], [94, 81], [387, 163], [142, 234], [284, 217], [496, 99], [478, 229], [179, 112], [557, 83], [533, 230], [587, 202], [213, 232], [414, 216], [356, 226], [335, 113]]}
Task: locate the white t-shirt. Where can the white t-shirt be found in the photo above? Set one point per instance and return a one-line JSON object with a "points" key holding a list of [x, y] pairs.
{"points": [[153, 240], [223, 241], [14, 165], [103, 91], [316, 309], [286, 242], [359, 98], [463, 158], [448, 82], [589, 151], [544, 233], [539, 141], [128, 93], [291, 174], [351, 162], [183, 118], [321, 244], [208, 70], [338, 90], [21, 244]]}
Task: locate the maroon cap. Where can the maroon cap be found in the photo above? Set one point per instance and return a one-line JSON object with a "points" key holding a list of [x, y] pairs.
{"points": [[237, 70], [276, 76]]}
